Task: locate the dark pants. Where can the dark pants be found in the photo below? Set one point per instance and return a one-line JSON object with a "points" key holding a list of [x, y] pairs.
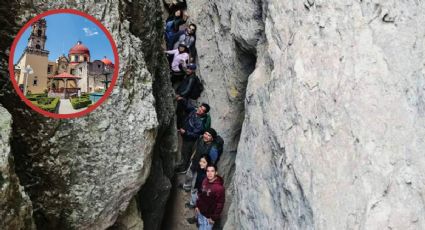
{"points": [[187, 147], [181, 114], [177, 78]]}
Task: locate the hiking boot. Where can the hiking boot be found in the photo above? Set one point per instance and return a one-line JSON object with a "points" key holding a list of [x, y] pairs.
{"points": [[192, 220]]}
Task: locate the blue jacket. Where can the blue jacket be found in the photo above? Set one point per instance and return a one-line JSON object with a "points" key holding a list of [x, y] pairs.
{"points": [[193, 125]]}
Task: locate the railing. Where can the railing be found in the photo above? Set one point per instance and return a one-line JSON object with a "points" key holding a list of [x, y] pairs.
{"points": [[63, 92]]}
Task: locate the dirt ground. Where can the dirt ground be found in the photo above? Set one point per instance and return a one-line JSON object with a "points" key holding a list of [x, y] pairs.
{"points": [[176, 213]]}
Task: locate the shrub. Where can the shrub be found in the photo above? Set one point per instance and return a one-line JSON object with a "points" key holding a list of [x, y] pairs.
{"points": [[45, 100], [36, 96], [50, 104], [78, 103]]}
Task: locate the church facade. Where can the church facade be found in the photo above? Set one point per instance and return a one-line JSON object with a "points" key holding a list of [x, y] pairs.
{"points": [[64, 77]]}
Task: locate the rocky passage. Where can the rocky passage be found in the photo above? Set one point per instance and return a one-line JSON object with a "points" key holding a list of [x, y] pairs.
{"points": [[332, 136], [176, 212], [321, 105]]}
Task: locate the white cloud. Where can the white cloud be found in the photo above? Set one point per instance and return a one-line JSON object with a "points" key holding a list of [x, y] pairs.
{"points": [[88, 32]]}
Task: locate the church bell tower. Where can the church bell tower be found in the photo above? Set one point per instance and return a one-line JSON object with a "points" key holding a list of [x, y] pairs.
{"points": [[37, 39]]}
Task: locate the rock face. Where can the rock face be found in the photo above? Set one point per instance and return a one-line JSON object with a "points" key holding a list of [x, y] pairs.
{"points": [[333, 133], [153, 196], [323, 102], [227, 56], [82, 173], [16, 209]]}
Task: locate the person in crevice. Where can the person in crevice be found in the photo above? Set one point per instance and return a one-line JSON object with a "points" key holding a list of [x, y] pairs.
{"points": [[205, 145], [175, 6], [183, 91], [198, 177], [192, 128], [210, 202], [182, 113], [172, 27], [189, 38], [179, 63]]}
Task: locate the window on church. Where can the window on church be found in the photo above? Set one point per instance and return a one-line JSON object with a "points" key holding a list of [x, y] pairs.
{"points": [[72, 71], [49, 68], [39, 32], [35, 81], [37, 46], [85, 58]]}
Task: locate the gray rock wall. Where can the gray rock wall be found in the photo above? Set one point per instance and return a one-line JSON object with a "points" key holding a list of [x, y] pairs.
{"points": [[227, 55], [16, 208], [333, 132], [82, 173], [15, 205], [323, 102]]}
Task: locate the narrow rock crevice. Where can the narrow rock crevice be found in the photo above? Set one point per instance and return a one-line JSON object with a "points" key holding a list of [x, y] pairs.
{"points": [[246, 60], [154, 194]]}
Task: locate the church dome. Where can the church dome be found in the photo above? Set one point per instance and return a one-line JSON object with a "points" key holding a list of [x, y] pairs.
{"points": [[106, 61], [79, 48], [64, 75]]}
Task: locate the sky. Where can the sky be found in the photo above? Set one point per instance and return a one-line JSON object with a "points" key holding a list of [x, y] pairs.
{"points": [[63, 32]]}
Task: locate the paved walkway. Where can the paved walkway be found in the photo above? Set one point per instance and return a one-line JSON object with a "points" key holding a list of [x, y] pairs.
{"points": [[65, 107]]}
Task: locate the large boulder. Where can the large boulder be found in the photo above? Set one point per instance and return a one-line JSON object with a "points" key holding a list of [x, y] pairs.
{"points": [[82, 173], [16, 208]]}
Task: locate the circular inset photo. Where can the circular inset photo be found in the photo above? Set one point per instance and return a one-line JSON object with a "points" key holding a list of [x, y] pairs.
{"points": [[63, 63]]}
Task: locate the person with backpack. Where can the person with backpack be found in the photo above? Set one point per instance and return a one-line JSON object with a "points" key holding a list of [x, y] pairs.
{"points": [[191, 129], [208, 144], [186, 88], [191, 86], [184, 91], [211, 199]]}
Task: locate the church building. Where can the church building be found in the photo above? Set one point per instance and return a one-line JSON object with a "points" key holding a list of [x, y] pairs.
{"points": [[66, 75]]}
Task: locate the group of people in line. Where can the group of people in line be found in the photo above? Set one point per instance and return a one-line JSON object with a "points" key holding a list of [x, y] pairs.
{"points": [[201, 146]]}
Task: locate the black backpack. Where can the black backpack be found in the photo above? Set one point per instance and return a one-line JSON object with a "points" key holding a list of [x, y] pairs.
{"points": [[219, 143], [197, 89]]}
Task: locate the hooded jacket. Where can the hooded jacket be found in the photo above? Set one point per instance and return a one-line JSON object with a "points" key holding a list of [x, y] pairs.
{"points": [[193, 125], [203, 148], [211, 198]]}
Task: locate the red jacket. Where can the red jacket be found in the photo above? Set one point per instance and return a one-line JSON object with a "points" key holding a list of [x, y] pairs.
{"points": [[211, 200]]}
